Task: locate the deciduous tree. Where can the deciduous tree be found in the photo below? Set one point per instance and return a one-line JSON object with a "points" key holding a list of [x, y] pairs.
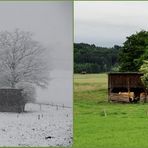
{"points": [[131, 56], [22, 60]]}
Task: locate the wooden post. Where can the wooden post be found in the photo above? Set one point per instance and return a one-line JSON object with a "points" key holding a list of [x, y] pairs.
{"points": [[145, 99], [109, 88], [38, 117], [105, 114], [128, 87]]}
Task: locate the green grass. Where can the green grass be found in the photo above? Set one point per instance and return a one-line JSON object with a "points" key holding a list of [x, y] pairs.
{"points": [[98, 123]]}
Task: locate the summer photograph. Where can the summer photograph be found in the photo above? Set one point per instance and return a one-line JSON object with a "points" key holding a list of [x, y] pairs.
{"points": [[111, 74]]}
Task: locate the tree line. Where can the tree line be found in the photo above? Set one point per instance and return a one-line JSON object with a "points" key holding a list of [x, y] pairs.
{"points": [[92, 59], [127, 58]]}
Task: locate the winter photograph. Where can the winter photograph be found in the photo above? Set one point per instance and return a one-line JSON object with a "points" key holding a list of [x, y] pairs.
{"points": [[36, 72]]}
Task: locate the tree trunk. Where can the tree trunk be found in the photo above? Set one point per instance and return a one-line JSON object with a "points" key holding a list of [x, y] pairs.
{"points": [[146, 92]]}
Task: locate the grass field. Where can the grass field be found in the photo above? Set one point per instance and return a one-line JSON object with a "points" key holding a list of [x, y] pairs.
{"points": [[98, 123]]}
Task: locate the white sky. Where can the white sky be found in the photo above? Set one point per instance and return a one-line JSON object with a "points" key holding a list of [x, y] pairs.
{"points": [[106, 23], [49, 21], [51, 24]]}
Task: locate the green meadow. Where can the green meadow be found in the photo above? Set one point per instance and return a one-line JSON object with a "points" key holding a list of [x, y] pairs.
{"points": [[98, 123]]}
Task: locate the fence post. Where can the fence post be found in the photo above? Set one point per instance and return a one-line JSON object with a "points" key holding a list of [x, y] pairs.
{"points": [[38, 117]]}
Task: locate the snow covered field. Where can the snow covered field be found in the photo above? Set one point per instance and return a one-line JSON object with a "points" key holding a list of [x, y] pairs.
{"points": [[45, 126]]}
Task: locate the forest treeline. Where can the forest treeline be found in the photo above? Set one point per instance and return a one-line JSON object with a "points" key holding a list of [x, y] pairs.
{"points": [[128, 58], [92, 59]]}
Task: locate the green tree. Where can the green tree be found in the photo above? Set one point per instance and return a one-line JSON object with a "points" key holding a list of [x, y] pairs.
{"points": [[131, 56], [93, 59], [144, 69]]}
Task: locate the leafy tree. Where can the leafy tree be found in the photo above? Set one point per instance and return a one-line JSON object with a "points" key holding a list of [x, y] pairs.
{"points": [[131, 56], [93, 59], [144, 69]]}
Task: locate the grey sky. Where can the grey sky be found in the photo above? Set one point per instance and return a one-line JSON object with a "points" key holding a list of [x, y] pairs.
{"points": [[106, 23], [51, 23]]}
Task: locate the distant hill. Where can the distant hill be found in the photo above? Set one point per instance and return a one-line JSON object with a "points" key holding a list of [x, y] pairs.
{"points": [[92, 59]]}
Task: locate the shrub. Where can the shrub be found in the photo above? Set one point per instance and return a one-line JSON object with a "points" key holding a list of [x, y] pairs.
{"points": [[28, 91]]}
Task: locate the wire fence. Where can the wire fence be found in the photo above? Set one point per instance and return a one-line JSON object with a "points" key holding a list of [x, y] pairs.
{"points": [[55, 105]]}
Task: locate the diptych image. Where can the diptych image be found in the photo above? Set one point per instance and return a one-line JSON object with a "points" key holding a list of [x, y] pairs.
{"points": [[90, 56]]}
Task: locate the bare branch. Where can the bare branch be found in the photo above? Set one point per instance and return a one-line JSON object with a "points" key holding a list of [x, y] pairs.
{"points": [[21, 59]]}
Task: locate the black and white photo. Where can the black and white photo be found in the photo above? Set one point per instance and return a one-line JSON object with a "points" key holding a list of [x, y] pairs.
{"points": [[36, 73]]}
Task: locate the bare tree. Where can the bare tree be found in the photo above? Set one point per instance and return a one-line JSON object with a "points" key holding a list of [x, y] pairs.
{"points": [[21, 60]]}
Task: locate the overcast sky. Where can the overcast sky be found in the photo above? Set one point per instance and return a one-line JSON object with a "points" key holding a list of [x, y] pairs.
{"points": [[106, 23], [50, 22]]}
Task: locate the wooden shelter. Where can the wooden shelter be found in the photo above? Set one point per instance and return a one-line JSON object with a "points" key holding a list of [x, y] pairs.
{"points": [[126, 87], [11, 100]]}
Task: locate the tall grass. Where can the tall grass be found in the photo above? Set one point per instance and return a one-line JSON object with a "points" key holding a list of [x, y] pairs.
{"points": [[98, 123]]}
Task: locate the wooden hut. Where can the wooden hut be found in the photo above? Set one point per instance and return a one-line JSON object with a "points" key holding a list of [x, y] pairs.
{"points": [[11, 100], [126, 87]]}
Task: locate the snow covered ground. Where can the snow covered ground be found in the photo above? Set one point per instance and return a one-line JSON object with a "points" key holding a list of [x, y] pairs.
{"points": [[45, 126]]}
